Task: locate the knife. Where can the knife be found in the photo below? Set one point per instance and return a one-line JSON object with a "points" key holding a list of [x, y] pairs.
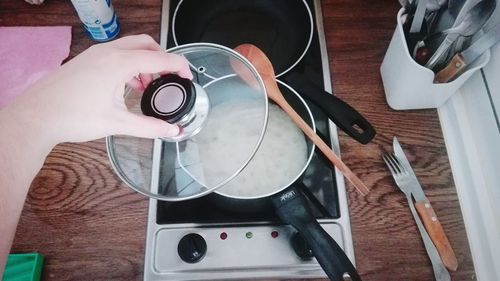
{"points": [[427, 214], [461, 60]]}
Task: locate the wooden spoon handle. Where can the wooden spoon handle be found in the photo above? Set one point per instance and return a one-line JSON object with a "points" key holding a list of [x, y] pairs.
{"points": [[327, 151], [265, 69]]}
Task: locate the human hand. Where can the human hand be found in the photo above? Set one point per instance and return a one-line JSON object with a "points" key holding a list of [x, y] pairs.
{"points": [[83, 100]]}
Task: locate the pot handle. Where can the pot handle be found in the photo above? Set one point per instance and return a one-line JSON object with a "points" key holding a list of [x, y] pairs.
{"points": [[342, 114], [292, 208]]}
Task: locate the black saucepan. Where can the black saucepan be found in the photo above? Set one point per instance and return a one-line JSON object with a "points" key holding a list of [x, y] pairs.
{"points": [[283, 29], [290, 204]]}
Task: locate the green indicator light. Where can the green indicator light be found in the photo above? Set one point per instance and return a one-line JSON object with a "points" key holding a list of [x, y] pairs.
{"points": [[249, 235]]}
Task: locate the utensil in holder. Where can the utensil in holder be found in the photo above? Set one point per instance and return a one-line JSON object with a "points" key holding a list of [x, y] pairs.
{"points": [[409, 85]]}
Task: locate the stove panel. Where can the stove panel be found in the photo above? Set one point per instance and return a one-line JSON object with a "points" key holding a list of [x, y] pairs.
{"points": [[244, 248], [249, 248]]}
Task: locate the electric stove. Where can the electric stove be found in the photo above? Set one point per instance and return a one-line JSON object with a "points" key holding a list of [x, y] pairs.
{"points": [[198, 240]]}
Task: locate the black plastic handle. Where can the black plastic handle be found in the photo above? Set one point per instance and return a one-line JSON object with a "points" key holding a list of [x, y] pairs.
{"points": [[292, 208], [413, 38], [337, 110]]}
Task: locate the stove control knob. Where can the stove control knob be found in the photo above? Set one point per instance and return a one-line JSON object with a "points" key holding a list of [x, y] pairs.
{"points": [[192, 248], [301, 247]]}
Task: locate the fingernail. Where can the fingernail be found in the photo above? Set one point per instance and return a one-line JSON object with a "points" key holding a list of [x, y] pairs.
{"points": [[188, 75], [181, 130], [173, 132]]}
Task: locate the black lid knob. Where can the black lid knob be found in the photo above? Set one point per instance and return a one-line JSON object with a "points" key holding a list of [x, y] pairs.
{"points": [[169, 97], [192, 248], [301, 247]]}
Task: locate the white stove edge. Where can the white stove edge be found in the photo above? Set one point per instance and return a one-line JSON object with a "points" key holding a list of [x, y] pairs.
{"points": [[334, 140], [472, 138]]}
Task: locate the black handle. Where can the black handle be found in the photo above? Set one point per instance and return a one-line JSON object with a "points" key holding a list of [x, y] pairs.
{"points": [[413, 38], [337, 110], [168, 97], [292, 208]]}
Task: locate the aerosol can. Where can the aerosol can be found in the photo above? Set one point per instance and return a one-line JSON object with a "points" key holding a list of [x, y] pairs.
{"points": [[99, 19]]}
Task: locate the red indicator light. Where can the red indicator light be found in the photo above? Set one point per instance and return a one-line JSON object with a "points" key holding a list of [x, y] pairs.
{"points": [[274, 234], [223, 236]]}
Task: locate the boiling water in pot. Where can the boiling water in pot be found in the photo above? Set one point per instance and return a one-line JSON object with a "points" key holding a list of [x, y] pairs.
{"points": [[279, 160]]}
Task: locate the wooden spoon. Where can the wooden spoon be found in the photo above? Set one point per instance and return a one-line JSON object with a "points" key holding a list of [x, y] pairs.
{"points": [[266, 71]]}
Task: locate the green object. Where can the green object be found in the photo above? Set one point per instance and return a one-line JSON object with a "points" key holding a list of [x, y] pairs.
{"points": [[249, 235], [23, 267]]}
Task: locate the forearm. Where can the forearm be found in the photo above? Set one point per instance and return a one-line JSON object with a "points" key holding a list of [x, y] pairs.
{"points": [[82, 100], [22, 153]]}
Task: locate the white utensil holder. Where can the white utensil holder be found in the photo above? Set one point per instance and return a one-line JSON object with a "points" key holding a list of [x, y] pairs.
{"points": [[408, 85]]}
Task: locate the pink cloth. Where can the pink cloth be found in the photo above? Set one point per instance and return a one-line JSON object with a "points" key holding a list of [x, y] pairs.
{"points": [[27, 54]]}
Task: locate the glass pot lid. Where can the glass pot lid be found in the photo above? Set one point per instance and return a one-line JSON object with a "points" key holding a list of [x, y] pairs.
{"points": [[222, 115]]}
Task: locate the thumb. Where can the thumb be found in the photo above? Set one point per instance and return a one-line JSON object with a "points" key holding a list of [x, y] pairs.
{"points": [[147, 127]]}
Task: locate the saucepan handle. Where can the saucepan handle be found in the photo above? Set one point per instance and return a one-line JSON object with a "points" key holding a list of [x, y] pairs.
{"points": [[342, 114], [292, 208]]}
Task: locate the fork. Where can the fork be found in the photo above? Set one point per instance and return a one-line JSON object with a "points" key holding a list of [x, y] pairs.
{"points": [[402, 177]]}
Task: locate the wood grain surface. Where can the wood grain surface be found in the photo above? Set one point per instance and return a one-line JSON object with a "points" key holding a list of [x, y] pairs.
{"points": [[90, 226]]}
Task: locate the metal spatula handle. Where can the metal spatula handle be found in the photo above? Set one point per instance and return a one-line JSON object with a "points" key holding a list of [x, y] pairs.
{"points": [[442, 49], [418, 17]]}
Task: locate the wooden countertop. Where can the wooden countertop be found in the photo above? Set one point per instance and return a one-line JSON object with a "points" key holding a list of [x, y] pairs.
{"points": [[90, 226]]}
